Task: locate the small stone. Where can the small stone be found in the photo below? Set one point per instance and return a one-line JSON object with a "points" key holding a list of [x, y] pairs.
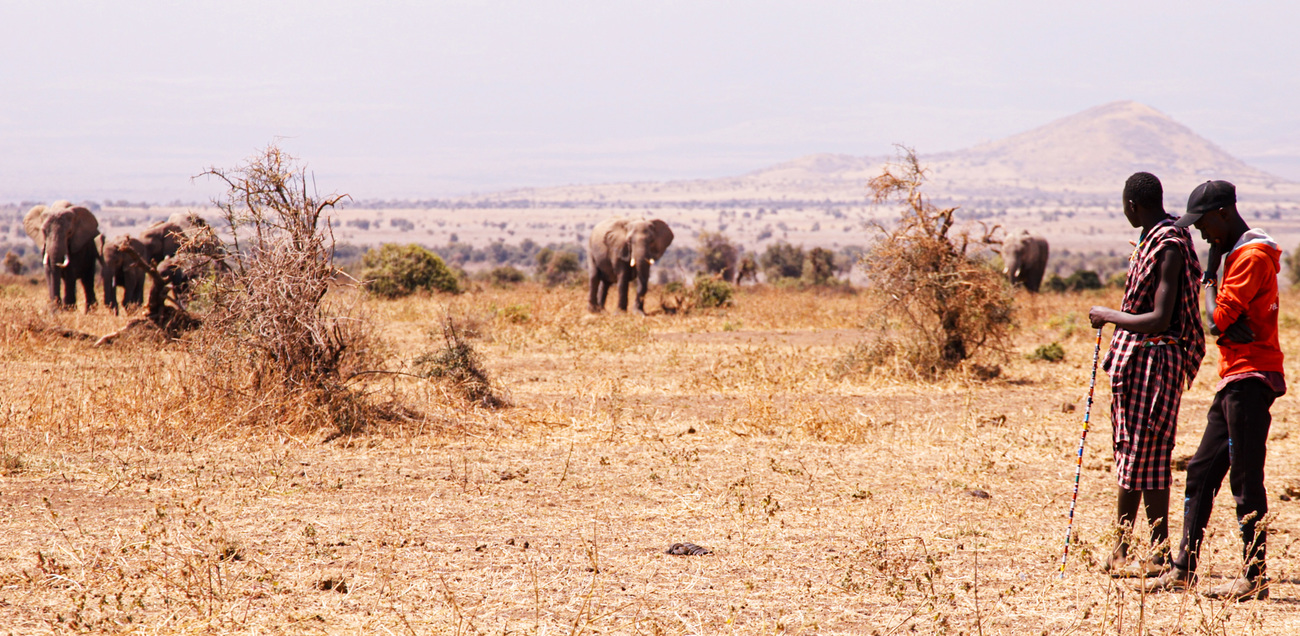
{"points": [[687, 549], [1067, 407], [979, 494], [336, 584]]}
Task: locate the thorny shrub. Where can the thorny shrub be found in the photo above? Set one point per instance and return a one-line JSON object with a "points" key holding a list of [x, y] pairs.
{"points": [[460, 366], [271, 330], [717, 254], [933, 278]]}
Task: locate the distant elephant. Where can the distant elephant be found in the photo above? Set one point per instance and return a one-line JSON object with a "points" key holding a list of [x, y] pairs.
{"points": [[164, 238], [120, 270], [185, 267], [748, 270], [66, 235], [621, 249], [1024, 255]]}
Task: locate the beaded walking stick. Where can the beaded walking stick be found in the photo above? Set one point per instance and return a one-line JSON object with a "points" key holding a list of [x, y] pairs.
{"points": [[1078, 468]]}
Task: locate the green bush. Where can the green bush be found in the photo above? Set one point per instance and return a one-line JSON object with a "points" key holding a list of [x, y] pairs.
{"points": [[782, 260], [518, 313], [1291, 263], [1079, 281], [716, 254], [1048, 353], [712, 292], [1084, 279], [558, 266], [505, 275], [393, 271], [819, 267]]}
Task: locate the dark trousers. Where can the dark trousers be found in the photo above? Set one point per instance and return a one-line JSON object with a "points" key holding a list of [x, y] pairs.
{"points": [[1233, 445]]}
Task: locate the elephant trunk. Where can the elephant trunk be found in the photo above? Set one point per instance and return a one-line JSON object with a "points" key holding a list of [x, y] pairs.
{"points": [[56, 247], [642, 282], [1011, 269]]}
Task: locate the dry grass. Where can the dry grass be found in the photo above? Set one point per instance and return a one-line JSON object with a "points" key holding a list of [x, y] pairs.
{"points": [[833, 503]]}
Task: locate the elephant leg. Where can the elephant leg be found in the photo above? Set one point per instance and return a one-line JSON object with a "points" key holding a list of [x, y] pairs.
{"points": [[110, 290], [69, 280], [596, 302], [134, 294], [87, 277], [604, 293], [624, 279], [642, 284], [1035, 279]]}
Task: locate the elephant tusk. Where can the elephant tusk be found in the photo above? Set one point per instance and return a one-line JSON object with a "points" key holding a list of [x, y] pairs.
{"points": [[45, 260], [65, 262], [651, 261]]}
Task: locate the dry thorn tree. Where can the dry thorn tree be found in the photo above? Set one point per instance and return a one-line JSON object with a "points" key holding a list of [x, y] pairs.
{"points": [[270, 317], [934, 276]]}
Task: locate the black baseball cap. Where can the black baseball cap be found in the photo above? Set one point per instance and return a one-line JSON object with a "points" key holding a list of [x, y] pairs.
{"points": [[1207, 197]]}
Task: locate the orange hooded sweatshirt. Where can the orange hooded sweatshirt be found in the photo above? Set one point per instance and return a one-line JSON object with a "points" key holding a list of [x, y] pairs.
{"points": [[1249, 287]]}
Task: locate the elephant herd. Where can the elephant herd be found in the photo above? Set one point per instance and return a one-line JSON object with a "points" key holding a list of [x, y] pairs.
{"points": [[71, 247], [623, 249]]}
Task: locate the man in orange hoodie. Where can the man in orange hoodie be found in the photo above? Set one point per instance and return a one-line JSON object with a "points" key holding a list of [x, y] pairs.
{"points": [[1244, 312]]}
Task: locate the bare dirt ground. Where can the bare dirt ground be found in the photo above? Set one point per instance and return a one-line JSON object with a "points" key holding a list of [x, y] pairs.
{"points": [[833, 501]]}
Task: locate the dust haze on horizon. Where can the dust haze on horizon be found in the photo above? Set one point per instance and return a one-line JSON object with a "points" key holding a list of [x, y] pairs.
{"points": [[420, 100]]}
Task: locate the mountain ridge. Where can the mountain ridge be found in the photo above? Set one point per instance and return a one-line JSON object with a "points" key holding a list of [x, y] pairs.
{"points": [[1089, 153]]}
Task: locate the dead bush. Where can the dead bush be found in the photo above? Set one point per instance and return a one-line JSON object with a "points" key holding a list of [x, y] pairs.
{"points": [[270, 330], [460, 366], [934, 278]]}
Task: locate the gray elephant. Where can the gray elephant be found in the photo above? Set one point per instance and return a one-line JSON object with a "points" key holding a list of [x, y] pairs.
{"points": [[164, 238], [1024, 255], [66, 235], [120, 270], [621, 249]]}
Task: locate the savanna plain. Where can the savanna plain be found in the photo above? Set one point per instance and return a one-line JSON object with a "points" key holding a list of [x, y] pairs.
{"points": [[834, 498]]}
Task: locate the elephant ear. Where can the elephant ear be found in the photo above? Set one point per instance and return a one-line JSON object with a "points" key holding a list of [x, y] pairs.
{"points": [[85, 227], [32, 224], [663, 237], [618, 240]]}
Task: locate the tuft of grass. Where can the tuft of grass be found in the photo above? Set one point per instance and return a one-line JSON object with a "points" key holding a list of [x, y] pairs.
{"points": [[458, 364], [1053, 352], [712, 291], [11, 464]]}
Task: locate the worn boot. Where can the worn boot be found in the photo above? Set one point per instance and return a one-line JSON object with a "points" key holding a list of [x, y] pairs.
{"points": [[1241, 589]]}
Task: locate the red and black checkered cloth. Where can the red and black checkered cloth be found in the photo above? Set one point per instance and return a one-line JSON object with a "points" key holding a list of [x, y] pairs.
{"points": [[1148, 371]]}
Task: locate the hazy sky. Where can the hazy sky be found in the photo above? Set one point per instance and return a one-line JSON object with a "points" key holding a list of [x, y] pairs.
{"points": [[426, 99]]}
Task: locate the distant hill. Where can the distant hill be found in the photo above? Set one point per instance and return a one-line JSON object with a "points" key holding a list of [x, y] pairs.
{"points": [[1089, 154], [1095, 151]]}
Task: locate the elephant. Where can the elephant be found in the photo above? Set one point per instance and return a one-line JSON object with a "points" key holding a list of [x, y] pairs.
{"points": [[66, 235], [120, 270], [620, 249], [164, 238], [185, 267], [1024, 255], [748, 270]]}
